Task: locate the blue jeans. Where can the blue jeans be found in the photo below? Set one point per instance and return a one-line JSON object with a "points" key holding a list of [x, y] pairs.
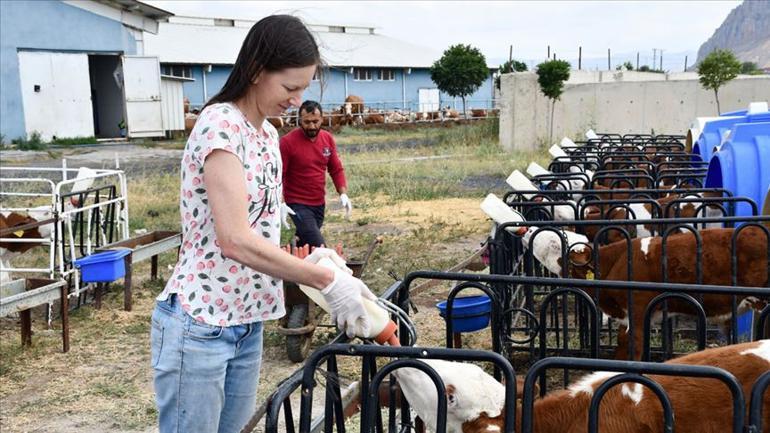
{"points": [[205, 376]]}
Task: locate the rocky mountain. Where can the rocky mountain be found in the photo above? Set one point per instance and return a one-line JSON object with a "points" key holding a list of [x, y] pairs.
{"points": [[746, 32]]}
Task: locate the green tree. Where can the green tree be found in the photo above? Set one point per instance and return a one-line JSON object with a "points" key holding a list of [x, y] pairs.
{"points": [[551, 76], [460, 71], [628, 66], [719, 67], [750, 68], [507, 67]]}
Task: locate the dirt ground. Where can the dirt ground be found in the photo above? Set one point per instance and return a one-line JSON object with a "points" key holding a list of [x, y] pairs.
{"points": [[104, 383]]}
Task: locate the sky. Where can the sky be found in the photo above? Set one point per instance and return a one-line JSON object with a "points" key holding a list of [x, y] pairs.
{"points": [[625, 27]]}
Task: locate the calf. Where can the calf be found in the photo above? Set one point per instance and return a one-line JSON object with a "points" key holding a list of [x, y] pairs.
{"points": [[646, 261], [11, 250], [475, 401], [647, 211], [471, 394], [373, 119], [478, 113], [277, 122]]}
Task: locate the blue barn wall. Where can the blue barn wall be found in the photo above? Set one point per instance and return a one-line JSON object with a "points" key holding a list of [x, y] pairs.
{"points": [[48, 25], [193, 90], [381, 94]]}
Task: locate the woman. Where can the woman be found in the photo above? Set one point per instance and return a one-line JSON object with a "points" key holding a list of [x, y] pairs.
{"points": [[207, 325]]}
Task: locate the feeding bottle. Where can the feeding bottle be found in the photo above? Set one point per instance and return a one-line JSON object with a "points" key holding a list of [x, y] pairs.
{"points": [[381, 329]]}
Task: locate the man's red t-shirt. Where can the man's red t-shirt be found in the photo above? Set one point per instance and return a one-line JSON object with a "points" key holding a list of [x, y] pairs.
{"points": [[305, 164]]}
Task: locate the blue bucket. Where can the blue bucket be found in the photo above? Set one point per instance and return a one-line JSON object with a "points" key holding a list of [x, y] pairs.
{"points": [[742, 165], [746, 326], [103, 267], [469, 313], [713, 131]]}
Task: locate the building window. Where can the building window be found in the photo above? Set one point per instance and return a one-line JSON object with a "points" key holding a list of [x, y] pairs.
{"points": [[387, 75], [181, 71], [362, 74]]}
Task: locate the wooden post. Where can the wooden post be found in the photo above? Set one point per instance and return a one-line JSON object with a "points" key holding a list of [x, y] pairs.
{"points": [[154, 267], [65, 318], [127, 284], [457, 340], [580, 58], [98, 289], [25, 317]]}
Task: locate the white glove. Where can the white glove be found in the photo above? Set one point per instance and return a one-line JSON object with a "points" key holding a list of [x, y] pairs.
{"points": [[344, 296], [347, 204], [285, 212], [328, 253]]}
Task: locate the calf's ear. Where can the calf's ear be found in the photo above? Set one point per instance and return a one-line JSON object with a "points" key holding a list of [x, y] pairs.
{"points": [[451, 395], [580, 258]]}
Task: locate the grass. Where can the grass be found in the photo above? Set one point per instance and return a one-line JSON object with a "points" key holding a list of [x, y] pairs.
{"points": [[71, 141], [35, 142], [426, 210], [467, 153]]}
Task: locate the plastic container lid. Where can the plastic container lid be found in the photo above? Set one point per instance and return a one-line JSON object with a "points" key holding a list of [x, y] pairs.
{"points": [[106, 256]]}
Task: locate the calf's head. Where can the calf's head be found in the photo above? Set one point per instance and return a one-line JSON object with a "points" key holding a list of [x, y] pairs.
{"points": [[547, 248]]}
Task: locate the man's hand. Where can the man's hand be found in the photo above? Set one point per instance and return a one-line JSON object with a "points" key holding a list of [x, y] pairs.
{"points": [[347, 204], [285, 212]]}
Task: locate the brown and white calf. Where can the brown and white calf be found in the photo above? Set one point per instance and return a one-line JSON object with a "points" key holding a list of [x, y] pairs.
{"points": [[646, 261], [475, 401], [648, 211], [471, 393], [9, 219]]}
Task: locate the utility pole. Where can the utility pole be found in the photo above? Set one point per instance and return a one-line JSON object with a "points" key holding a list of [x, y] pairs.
{"points": [[685, 64], [609, 65], [654, 57], [661, 59], [549, 53], [637, 60], [510, 54], [580, 57]]}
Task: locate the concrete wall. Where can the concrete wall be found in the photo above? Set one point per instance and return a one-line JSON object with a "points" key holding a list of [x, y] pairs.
{"points": [[612, 102], [48, 25], [399, 93]]}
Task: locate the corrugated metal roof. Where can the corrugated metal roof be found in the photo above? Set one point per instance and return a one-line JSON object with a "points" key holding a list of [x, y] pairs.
{"points": [[209, 44]]}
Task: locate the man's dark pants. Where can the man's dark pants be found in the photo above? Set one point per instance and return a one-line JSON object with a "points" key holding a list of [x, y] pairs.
{"points": [[308, 221]]}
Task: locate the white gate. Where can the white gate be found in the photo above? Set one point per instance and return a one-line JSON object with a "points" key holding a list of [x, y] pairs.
{"points": [[428, 100], [141, 88], [56, 93]]}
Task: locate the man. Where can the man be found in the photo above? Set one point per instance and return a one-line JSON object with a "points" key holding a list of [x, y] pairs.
{"points": [[308, 152]]}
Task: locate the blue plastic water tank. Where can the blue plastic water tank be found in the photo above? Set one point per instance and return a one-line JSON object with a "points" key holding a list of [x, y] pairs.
{"points": [[712, 133], [735, 113], [742, 164]]}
